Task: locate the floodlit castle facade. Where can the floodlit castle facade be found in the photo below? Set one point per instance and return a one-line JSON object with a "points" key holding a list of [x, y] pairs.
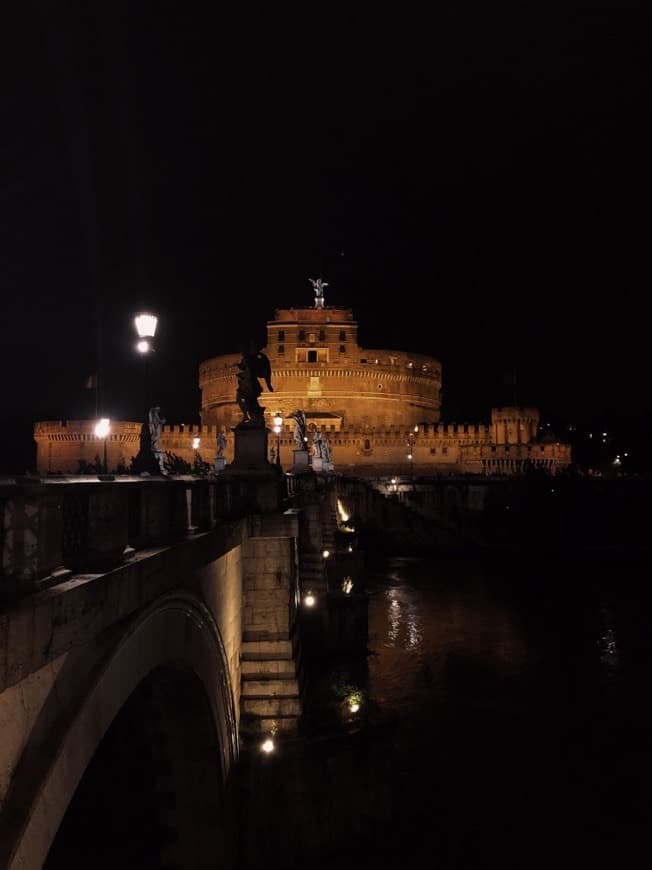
{"points": [[379, 410]]}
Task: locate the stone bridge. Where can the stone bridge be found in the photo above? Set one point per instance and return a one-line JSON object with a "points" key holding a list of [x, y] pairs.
{"points": [[159, 614], [150, 631]]}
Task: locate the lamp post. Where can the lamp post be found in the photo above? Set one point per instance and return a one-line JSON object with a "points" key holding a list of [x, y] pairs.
{"points": [[412, 440], [146, 328], [195, 446], [145, 324], [102, 430], [278, 428]]}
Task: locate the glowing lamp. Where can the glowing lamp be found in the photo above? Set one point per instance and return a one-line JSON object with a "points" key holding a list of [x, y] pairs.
{"points": [[146, 329], [268, 746], [102, 427], [146, 325]]}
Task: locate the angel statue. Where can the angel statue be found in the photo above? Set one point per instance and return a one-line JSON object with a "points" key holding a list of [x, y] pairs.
{"points": [[221, 443], [318, 286], [300, 436], [253, 365]]}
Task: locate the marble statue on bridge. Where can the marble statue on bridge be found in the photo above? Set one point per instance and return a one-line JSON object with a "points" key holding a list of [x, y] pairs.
{"points": [[300, 430]]}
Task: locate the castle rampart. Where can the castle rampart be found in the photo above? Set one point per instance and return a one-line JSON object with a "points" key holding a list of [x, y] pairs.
{"points": [[434, 448]]}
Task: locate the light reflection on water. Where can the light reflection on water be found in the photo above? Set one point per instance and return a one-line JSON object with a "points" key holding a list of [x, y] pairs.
{"points": [[403, 617], [428, 620], [507, 697]]}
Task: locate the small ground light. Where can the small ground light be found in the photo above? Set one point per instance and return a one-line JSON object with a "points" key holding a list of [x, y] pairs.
{"points": [[347, 585], [354, 702], [309, 600], [268, 746], [326, 554]]}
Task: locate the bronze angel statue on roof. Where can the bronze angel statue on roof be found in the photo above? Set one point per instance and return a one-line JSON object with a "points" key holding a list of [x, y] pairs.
{"points": [[318, 286], [253, 365]]}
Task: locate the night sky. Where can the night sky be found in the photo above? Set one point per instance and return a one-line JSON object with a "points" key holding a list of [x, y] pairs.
{"points": [[471, 178]]}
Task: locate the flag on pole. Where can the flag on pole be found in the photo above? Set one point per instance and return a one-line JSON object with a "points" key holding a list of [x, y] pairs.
{"points": [[91, 382]]}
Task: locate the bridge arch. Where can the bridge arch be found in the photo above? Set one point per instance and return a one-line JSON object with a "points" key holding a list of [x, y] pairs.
{"points": [[173, 645]]}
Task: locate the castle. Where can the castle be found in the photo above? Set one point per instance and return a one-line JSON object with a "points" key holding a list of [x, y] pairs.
{"points": [[378, 409]]}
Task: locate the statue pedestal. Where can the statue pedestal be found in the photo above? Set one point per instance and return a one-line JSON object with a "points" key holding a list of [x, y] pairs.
{"points": [[254, 483], [317, 463], [220, 463], [301, 461], [250, 447]]}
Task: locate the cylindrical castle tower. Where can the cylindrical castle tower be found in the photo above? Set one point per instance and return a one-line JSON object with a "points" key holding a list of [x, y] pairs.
{"points": [[318, 366]]}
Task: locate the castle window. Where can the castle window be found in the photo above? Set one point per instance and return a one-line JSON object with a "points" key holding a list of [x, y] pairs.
{"points": [[281, 335], [342, 335], [363, 361], [281, 348], [444, 449], [322, 335], [342, 348], [302, 335], [312, 356], [433, 451], [379, 386], [367, 444]]}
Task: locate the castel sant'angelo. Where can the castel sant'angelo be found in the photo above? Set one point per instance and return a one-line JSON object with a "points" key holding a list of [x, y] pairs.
{"points": [[379, 411]]}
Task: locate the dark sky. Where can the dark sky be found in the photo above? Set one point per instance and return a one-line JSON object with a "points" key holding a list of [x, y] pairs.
{"points": [[471, 178]]}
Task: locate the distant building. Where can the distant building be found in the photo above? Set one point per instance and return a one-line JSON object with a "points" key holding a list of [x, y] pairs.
{"points": [[380, 410]]}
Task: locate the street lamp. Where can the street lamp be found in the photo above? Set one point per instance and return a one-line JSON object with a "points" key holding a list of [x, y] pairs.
{"points": [[278, 428], [146, 328], [196, 441], [102, 430], [145, 324], [411, 441]]}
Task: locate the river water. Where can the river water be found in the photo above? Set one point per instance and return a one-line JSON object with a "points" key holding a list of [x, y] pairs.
{"points": [[502, 712]]}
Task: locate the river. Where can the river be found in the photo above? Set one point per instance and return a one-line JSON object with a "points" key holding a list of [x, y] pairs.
{"points": [[503, 714]]}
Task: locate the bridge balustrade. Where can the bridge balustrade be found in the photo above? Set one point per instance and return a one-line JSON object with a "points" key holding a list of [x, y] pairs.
{"points": [[53, 527]]}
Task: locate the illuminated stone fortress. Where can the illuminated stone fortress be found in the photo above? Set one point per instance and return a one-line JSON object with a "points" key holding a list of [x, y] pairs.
{"points": [[379, 410]]}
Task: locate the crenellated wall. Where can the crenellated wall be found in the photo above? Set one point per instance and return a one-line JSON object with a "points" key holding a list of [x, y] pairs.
{"points": [[62, 444], [434, 447]]}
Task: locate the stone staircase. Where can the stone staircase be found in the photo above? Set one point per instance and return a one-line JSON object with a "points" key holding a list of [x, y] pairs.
{"points": [[271, 684]]}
